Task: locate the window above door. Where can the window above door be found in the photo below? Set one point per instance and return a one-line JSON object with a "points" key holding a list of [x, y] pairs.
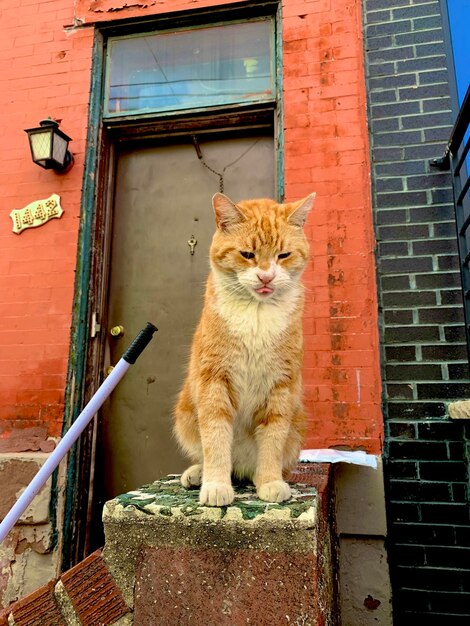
{"points": [[191, 68]]}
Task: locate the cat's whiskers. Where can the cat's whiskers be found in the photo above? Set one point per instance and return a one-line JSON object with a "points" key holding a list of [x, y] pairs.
{"points": [[237, 290]]}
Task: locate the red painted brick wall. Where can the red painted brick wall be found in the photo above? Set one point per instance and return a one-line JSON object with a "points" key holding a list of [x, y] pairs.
{"points": [[326, 149], [46, 71]]}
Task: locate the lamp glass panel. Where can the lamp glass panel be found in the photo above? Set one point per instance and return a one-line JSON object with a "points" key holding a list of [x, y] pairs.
{"points": [[59, 149], [190, 68], [41, 145]]}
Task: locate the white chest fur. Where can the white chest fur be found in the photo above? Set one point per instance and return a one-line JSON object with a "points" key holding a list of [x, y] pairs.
{"points": [[259, 328]]}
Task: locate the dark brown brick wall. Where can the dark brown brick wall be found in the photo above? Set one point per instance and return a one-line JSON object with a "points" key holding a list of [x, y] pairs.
{"points": [[425, 363]]}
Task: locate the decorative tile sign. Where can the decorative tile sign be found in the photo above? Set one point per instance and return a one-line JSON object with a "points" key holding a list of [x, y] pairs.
{"points": [[36, 213]]}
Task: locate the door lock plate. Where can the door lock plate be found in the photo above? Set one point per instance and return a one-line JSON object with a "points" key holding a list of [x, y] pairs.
{"points": [[192, 243]]}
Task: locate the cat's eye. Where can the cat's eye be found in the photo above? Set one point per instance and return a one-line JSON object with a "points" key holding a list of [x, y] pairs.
{"points": [[283, 255], [248, 255]]}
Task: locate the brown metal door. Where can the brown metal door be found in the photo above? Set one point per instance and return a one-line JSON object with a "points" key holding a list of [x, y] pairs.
{"points": [[163, 200]]}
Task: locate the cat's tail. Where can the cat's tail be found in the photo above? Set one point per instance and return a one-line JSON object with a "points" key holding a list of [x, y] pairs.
{"points": [[186, 428], [295, 441]]}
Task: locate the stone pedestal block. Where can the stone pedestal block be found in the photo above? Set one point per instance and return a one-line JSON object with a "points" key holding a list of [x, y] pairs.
{"points": [[253, 562]]}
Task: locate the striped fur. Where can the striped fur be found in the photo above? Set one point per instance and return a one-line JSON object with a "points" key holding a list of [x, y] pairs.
{"points": [[240, 410]]}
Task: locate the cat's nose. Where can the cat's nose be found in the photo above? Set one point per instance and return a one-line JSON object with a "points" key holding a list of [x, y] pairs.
{"points": [[265, 277]]}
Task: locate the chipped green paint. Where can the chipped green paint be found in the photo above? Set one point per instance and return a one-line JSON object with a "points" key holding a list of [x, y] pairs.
{"points": [[75, 387], [279, 107], [167, 497]]}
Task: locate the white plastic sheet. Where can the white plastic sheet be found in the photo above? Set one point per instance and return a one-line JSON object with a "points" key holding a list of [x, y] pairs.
{"points": [[329, 455]]}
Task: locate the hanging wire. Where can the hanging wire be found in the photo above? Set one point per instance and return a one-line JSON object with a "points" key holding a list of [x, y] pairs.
{"points": [[200, 156], [197, 147]]}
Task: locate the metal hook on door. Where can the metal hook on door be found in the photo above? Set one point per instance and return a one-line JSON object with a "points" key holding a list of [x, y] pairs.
{"points": [[192, 244]]}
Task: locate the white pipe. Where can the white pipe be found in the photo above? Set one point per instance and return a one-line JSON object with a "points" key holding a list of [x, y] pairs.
{"points": [[63, 446]]}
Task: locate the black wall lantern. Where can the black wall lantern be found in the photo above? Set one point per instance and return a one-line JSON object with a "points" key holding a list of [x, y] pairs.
{"points": [[49, 146]]}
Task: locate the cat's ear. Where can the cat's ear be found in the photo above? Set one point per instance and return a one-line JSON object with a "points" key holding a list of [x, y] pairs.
{"points": [[300, 211], [226, 212]]}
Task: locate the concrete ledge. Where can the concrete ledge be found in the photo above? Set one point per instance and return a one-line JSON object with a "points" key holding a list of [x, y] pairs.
{"points": [[253, 562], [170, 561]]}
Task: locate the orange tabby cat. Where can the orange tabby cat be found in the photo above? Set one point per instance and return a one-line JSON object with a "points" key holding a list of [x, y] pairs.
{"points": [[240, 410]]}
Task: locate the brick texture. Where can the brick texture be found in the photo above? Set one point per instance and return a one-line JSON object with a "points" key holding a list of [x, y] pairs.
{"points": [[47, 64], [46, 57], [240, 566], [93, 593], [38, 609], [425, 362], [45, 72], [309, 587], [326, 150], [93, 11], [209, 586], [94, 597]]}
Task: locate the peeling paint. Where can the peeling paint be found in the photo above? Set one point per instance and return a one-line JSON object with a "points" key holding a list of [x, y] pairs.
{"points": [[27, 556], [16, 471], [26, 562]]}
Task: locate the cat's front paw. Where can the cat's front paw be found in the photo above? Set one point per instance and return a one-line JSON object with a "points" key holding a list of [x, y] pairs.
{"points": [[274, 491], [192, 477], [216, 494]]}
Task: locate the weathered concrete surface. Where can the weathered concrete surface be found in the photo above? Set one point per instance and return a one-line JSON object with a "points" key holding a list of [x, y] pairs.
{"points": [[252, 562], [65, 605], [16, 472], [365, 585], [365, 589], [360, 500], [22, 573], [27, 560]]}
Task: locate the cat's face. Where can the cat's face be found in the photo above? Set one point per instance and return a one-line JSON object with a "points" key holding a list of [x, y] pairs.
{"points": [[259, 249]]}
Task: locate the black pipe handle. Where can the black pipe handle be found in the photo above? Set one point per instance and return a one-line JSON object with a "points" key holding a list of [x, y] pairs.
{"points": [[139, 344]]}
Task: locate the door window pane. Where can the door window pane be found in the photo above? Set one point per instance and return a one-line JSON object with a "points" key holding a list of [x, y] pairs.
{"points": [[190, 68]]}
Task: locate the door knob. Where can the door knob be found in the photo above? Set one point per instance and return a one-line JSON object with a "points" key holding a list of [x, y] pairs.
{"points": [[108, 370], [117, 331]]}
